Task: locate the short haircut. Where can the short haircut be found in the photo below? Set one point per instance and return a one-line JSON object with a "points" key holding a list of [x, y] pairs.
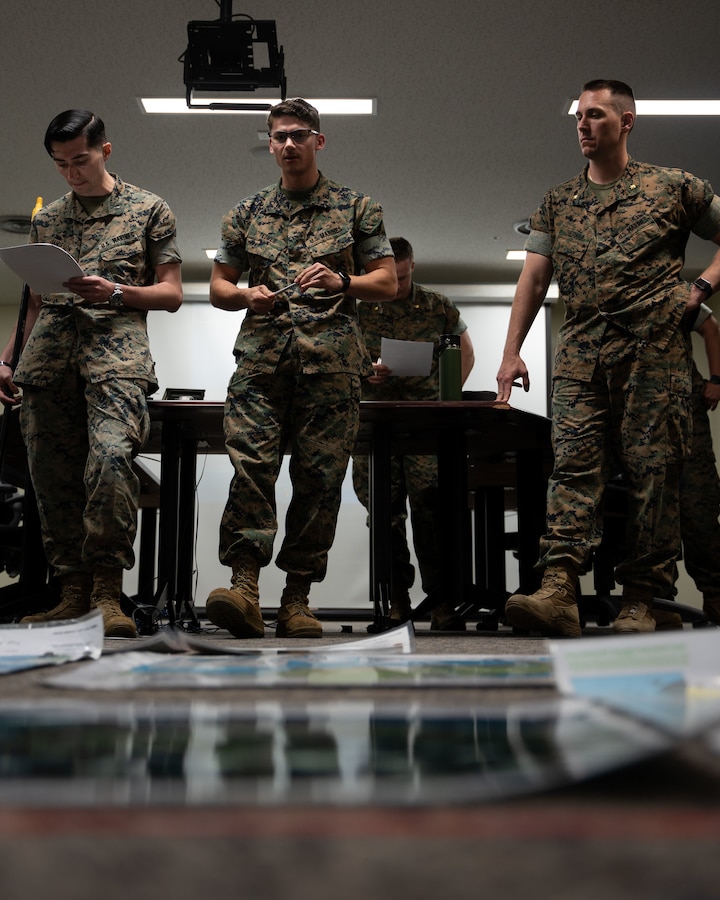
{"points": [[622, 94], [71, 124], [402, 248], [298, 109]]}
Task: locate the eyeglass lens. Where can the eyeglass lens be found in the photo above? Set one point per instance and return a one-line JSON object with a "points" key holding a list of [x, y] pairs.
{"points": [[299, 136]]}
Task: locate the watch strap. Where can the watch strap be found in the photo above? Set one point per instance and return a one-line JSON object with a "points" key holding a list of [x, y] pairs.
{"points": [[345, 280]]}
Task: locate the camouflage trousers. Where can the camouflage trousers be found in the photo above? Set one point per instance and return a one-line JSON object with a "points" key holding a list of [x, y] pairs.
{"points": [[413, 480], [315, 418], [700, 502], [81, 439], [634, 414]]}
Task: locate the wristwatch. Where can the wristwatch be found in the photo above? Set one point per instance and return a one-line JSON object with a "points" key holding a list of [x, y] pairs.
{"points": [[116, 298], [345, 280], [714, 379], [704, 285]]}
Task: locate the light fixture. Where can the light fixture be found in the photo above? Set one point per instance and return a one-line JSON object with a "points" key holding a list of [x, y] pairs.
{"points": [[15, 224], [516, 254], [325, 106], [669, 107], [231, 54]]}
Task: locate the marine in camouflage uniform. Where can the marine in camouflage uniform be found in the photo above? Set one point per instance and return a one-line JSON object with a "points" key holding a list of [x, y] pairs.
{"points": [[300, 358], [86, 371], [621, 380], [417, 314]]}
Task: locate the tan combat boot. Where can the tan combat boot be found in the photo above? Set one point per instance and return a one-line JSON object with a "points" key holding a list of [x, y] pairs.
{"points": [[552, 609], [635, 616], [107, 588], [237, 608], [400, 606], [74, 600], [294, 616], [444, 617]]}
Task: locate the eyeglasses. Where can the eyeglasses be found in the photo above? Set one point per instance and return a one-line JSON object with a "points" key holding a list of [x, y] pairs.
{"points": [[299, 136]]}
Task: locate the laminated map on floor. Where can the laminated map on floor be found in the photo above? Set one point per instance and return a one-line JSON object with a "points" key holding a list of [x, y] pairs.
{"points": [[351, 668], [670, 680], [273, 751]]}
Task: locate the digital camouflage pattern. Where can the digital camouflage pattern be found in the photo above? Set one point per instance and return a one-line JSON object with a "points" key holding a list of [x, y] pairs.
{"points": [[297, 382], [275, 238], [85, 374], [620, 261], [115, 242], [621, 387], [633, 416], [321, 413], [421, 316], [81, 438]]}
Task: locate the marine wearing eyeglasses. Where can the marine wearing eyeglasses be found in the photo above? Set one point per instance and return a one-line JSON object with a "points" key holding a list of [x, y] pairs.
{"points": [[300, 358]]}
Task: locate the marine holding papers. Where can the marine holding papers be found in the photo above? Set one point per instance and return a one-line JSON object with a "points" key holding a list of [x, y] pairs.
{"points": [[85, 369]]}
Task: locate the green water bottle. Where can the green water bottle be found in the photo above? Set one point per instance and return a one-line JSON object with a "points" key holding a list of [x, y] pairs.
{"points": [[450, 365]]}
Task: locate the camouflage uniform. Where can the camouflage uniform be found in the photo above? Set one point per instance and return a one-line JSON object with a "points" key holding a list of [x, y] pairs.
{"points": [[422, 316], [85, 373], [700, 493], [621, 382], [297, 382], [700, 500]]}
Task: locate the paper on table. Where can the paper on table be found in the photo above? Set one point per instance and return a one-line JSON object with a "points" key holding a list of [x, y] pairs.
{"points": [[407, 357], [44, 267]]}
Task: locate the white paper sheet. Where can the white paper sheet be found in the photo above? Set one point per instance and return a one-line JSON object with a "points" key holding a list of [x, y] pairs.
{"points": [[407, 357], [69, 639], [44, 267]]}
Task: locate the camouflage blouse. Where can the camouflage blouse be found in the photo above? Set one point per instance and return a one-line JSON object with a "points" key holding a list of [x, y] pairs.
{"points": [[274, 237], [122, 240], [620, 260]]}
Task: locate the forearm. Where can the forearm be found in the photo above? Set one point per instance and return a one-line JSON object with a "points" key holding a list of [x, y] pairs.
{"points": [[378, 283], [163, 295], [529, 296], [224, 292]]}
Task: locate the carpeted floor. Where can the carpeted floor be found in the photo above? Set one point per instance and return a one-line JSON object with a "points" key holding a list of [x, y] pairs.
{"points": [[650, 829]]}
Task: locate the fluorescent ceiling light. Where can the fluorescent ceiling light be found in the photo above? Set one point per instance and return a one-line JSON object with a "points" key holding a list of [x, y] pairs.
{"points": [[515, 254], [326, 107], [669, 107], [210, 253]]}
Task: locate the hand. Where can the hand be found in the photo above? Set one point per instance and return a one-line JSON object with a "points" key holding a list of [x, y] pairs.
{"points": [[511, 368], [380, 373], [91, 288], [9, 392], [260, 299], [711, 394], [319, 276]]}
